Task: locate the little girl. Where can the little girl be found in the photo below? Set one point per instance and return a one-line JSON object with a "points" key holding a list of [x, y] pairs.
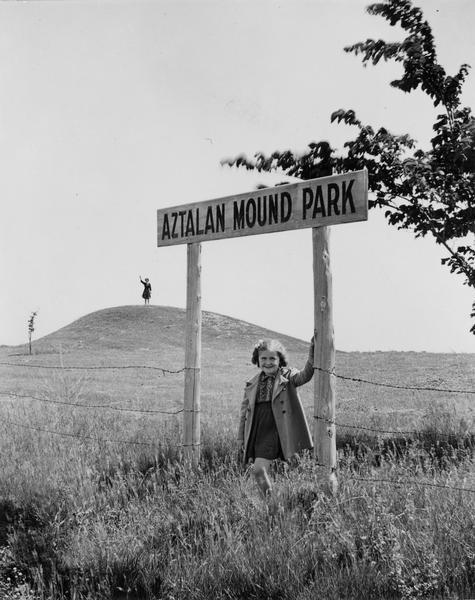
{"points": [[272, 421], [147, 289]]}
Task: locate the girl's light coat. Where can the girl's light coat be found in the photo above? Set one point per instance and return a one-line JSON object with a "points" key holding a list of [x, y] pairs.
{"points": [[289, 416]]}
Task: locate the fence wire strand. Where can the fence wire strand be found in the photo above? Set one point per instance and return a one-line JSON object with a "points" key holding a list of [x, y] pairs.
{"points": [[174, 372], [95, 439], [387, 431], [394, 385], [102, 406], [404, 482], [93, 367]]}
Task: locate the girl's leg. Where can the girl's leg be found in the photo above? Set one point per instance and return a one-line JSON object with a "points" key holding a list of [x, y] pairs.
{"points": [[261, 475]]}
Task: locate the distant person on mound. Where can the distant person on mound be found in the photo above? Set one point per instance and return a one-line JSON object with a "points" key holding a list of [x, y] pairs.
{"points": [[147, 290], [272, 421]]}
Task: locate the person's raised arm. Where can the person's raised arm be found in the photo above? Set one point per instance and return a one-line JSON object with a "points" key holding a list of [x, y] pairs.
{"points": [[306, 374]]}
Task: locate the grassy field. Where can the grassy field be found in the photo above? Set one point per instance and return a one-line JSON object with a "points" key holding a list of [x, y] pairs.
{"points": [[95, 503]]}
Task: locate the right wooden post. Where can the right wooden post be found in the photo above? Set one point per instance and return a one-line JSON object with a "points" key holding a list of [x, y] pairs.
{"points": [[191, 407], [324, 358]]}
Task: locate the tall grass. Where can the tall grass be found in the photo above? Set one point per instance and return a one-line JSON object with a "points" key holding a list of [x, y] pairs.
{"points": [[84, 519]]}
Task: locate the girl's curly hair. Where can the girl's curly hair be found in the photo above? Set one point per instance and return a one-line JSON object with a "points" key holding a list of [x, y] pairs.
{"points": [[272, 346]]}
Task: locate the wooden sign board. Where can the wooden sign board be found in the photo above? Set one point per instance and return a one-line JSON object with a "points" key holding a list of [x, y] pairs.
{"points": [[310, 203]]}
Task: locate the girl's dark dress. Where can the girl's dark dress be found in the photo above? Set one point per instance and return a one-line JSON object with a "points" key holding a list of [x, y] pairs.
{"points": [[264, 439], [147, 290]]}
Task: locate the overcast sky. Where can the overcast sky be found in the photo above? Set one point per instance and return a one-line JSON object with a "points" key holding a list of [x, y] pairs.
{"points": [[111, 110]]}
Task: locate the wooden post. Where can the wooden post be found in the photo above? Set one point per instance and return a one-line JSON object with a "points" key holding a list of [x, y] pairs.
{"points": [[324, 360], [191, 415]]}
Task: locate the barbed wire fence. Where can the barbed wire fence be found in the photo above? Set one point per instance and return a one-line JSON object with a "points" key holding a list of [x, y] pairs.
{"points": [[157, 444]]}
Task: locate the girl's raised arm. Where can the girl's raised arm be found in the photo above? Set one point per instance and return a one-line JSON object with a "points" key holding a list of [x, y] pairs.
{"points": [[300, 377]]}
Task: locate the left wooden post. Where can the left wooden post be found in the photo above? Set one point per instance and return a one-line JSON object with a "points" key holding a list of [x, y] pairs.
{"points": [[191, 418]]}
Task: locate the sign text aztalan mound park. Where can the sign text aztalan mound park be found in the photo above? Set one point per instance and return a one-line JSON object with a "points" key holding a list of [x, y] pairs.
{"points": [[311, 203]]}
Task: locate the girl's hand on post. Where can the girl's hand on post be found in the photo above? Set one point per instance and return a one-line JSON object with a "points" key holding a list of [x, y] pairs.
{"points": [[311, 350]]}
